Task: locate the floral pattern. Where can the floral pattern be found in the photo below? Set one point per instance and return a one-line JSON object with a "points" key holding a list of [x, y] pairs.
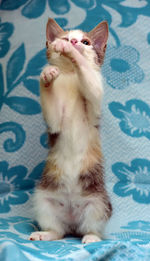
{"points": [[124, 250], [138, 225], [35, 8], [148, 38], [121, 68], [134, 117], [137, 231], [10, 145], [58, 250], [125, 126], [6, 30], [22, 105], [133, 180], [15, 188], [10, 184]]}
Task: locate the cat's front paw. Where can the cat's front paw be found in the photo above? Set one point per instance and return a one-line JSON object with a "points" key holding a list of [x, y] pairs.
{"points": [[49, 74], [62, 46]]}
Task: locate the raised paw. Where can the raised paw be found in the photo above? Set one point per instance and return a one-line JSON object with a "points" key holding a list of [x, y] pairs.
{"points": [[45, 236], [49, 74], [90, 238], [62, 46]]}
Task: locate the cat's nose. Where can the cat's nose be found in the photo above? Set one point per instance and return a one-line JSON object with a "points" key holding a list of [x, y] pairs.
{"points": [[74, 41]]}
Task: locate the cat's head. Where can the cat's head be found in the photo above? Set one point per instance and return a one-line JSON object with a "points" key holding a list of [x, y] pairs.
{"points": [[92, 45]]}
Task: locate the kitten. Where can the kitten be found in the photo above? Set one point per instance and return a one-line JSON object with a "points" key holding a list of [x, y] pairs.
{"points": [[71, 196]]}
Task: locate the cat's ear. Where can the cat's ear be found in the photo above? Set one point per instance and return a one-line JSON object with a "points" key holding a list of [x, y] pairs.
{"points": [[99, 37], [53, 30]]}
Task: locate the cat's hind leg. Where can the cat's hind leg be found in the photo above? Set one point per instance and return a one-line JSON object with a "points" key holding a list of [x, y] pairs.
{"points": [[92, 221], [48, 215]]}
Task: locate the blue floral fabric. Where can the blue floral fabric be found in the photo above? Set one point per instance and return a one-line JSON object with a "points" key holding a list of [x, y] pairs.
{"points": [[125, 126]]}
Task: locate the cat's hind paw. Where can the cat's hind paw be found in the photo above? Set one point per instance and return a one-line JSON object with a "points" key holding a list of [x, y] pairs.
{"points": [[44, 236], [90, 238], [49, 74]]}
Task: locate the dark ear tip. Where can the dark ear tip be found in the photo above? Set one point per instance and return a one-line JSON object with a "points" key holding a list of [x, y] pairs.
{"points": [[50, 20], [105, 23]]}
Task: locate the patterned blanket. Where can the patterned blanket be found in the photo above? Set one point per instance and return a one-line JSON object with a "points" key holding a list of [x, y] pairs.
{"points": [[125, 126]]}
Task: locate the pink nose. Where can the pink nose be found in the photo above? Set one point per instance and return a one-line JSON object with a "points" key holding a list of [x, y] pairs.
{"points": [[74, 41]]}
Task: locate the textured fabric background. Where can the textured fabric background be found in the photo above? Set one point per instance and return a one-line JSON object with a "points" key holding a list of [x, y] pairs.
{"points": [[125, 125]]}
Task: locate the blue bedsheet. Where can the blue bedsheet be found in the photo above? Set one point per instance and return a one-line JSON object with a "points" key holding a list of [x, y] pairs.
{"points": [[125, 126]]}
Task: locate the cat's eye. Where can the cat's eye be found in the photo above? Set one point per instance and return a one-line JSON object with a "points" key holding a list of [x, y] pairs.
{"points": [[86, 41], [65, 38]]}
